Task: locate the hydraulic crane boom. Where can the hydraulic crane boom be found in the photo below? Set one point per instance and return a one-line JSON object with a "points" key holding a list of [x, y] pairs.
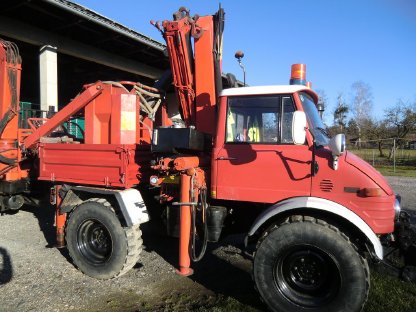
{"points": [[241, 155], [196, 73], [177, 35], [78, 103]]}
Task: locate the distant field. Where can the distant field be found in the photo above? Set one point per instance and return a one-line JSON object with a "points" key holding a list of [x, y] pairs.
{"points": [[405, 161], [401, 171], [403, 156]]}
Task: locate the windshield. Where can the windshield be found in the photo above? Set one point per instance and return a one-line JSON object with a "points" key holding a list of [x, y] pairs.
{"points": [[316, 125]]}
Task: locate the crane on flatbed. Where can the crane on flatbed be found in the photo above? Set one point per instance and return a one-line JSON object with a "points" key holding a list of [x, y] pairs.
{"points": [[258, 156]]}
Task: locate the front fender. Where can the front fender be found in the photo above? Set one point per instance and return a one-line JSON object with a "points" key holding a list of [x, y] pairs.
{"points": [[129, 201], [293, 204]]}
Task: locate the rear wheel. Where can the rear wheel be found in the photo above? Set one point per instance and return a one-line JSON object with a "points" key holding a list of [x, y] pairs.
{"points": [[98, 244], [308, 265]]}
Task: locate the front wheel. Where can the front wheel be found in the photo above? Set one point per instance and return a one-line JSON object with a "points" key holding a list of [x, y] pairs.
{"points": [[98, 244], [309, 266]]}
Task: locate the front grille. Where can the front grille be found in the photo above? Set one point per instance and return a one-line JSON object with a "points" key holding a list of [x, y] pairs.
{"points": [[326, 185]]}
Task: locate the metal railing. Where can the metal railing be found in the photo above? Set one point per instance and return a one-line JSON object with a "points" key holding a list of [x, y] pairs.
{"points": [[393, 152]]}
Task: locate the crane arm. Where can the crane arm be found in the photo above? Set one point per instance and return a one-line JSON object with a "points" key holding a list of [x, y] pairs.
{"points": [[177, 34], [64, 114], [195, 66]]}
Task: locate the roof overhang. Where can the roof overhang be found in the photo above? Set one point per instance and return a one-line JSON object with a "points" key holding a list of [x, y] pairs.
{"points": [[77, 31]]}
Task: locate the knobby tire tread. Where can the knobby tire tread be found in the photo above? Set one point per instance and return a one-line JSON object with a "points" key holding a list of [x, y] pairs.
{"points": [[133, 237], [303, 218]]}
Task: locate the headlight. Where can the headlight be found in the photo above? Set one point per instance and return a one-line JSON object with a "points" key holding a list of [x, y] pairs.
{"points": [[397, 207], [154, 180]]}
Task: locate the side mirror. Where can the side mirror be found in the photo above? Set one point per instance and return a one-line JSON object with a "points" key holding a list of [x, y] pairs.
{"points": [[337, 145], [299, 127]]}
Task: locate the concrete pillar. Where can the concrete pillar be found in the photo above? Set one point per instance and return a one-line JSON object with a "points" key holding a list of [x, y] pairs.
{"points": [[48, 78]]}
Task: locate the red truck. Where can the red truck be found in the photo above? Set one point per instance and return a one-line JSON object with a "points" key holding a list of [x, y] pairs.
{"points": [[259, 156]]}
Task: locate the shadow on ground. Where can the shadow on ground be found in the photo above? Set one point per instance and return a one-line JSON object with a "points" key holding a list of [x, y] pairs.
{"points": [[223, 271], [45, 215], [6, 268]]}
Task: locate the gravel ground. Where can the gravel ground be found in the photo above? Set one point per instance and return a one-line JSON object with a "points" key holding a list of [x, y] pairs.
{"points": [[36, 277], [406, 187]]}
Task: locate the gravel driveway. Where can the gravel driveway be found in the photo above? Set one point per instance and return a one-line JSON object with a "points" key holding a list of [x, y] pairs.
{"points": [[406, 187], [36, 277]]}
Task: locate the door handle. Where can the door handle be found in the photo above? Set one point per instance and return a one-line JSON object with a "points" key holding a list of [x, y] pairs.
{"points": [[226, 158]]}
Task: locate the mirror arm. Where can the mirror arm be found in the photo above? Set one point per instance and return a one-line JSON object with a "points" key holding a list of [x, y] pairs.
{"points": [[314, 164], [337, 146], [335, 162]]}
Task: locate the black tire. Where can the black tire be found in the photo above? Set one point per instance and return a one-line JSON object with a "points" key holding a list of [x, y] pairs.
{"points": [[98, 244], [305, 264]]}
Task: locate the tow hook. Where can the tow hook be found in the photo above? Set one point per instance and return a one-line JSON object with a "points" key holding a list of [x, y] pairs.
{"points": [[400, 248], [406, 237]]}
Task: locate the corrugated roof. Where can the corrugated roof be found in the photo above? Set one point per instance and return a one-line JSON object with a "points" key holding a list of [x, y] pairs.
{"points": [[107, 22], [65, 21]]}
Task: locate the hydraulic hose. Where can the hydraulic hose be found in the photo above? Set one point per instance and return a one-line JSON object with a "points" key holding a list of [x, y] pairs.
{"points": [[12, 57], [7, 160], [192, 245]]}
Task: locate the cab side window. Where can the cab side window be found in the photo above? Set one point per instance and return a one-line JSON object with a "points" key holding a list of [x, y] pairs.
{"points": [[263, 119], [287, 117]]}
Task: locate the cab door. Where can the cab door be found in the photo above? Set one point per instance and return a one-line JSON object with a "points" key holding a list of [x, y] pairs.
{"points": [[258, 161]]}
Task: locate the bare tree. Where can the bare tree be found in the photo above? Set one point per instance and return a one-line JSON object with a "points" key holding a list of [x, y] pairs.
{"points": [[377, 131], [352, 131], [361, 105], [322, 102], [402, 117], [340, 113]]}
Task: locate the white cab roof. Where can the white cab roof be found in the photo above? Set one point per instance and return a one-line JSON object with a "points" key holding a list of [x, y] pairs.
{"points": [[267, 90]]}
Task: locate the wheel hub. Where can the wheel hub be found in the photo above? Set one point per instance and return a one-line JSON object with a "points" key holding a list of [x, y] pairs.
{"points": [[307, 275], [307, 270], [99, 238], [94, 241]]}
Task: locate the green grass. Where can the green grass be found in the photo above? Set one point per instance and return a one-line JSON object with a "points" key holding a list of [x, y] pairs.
{"points": [[403, 157], [402, 171], [373, 152], [390, 294], [228, 304], [387, 294], [405, 161]]}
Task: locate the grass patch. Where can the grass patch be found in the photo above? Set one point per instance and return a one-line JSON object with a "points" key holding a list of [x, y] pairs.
{"points": [[368, 153], [386, 294], [406, 171], [390, 294], [403, 157], [405, 162], [228, 304]]}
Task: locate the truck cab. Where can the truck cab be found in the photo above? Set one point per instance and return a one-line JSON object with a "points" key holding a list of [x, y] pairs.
{"points": [[323, 208], [255, 156], [256, 159], [316, 212]]}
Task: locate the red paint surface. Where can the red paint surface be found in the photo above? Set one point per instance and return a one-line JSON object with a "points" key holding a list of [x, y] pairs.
{"points": [[205, 78], [109, 165], [377, 212], [272, 173], [185, 227]]}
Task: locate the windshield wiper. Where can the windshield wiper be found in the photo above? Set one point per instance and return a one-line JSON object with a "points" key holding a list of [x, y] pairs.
{"points": [[323, 130]]}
